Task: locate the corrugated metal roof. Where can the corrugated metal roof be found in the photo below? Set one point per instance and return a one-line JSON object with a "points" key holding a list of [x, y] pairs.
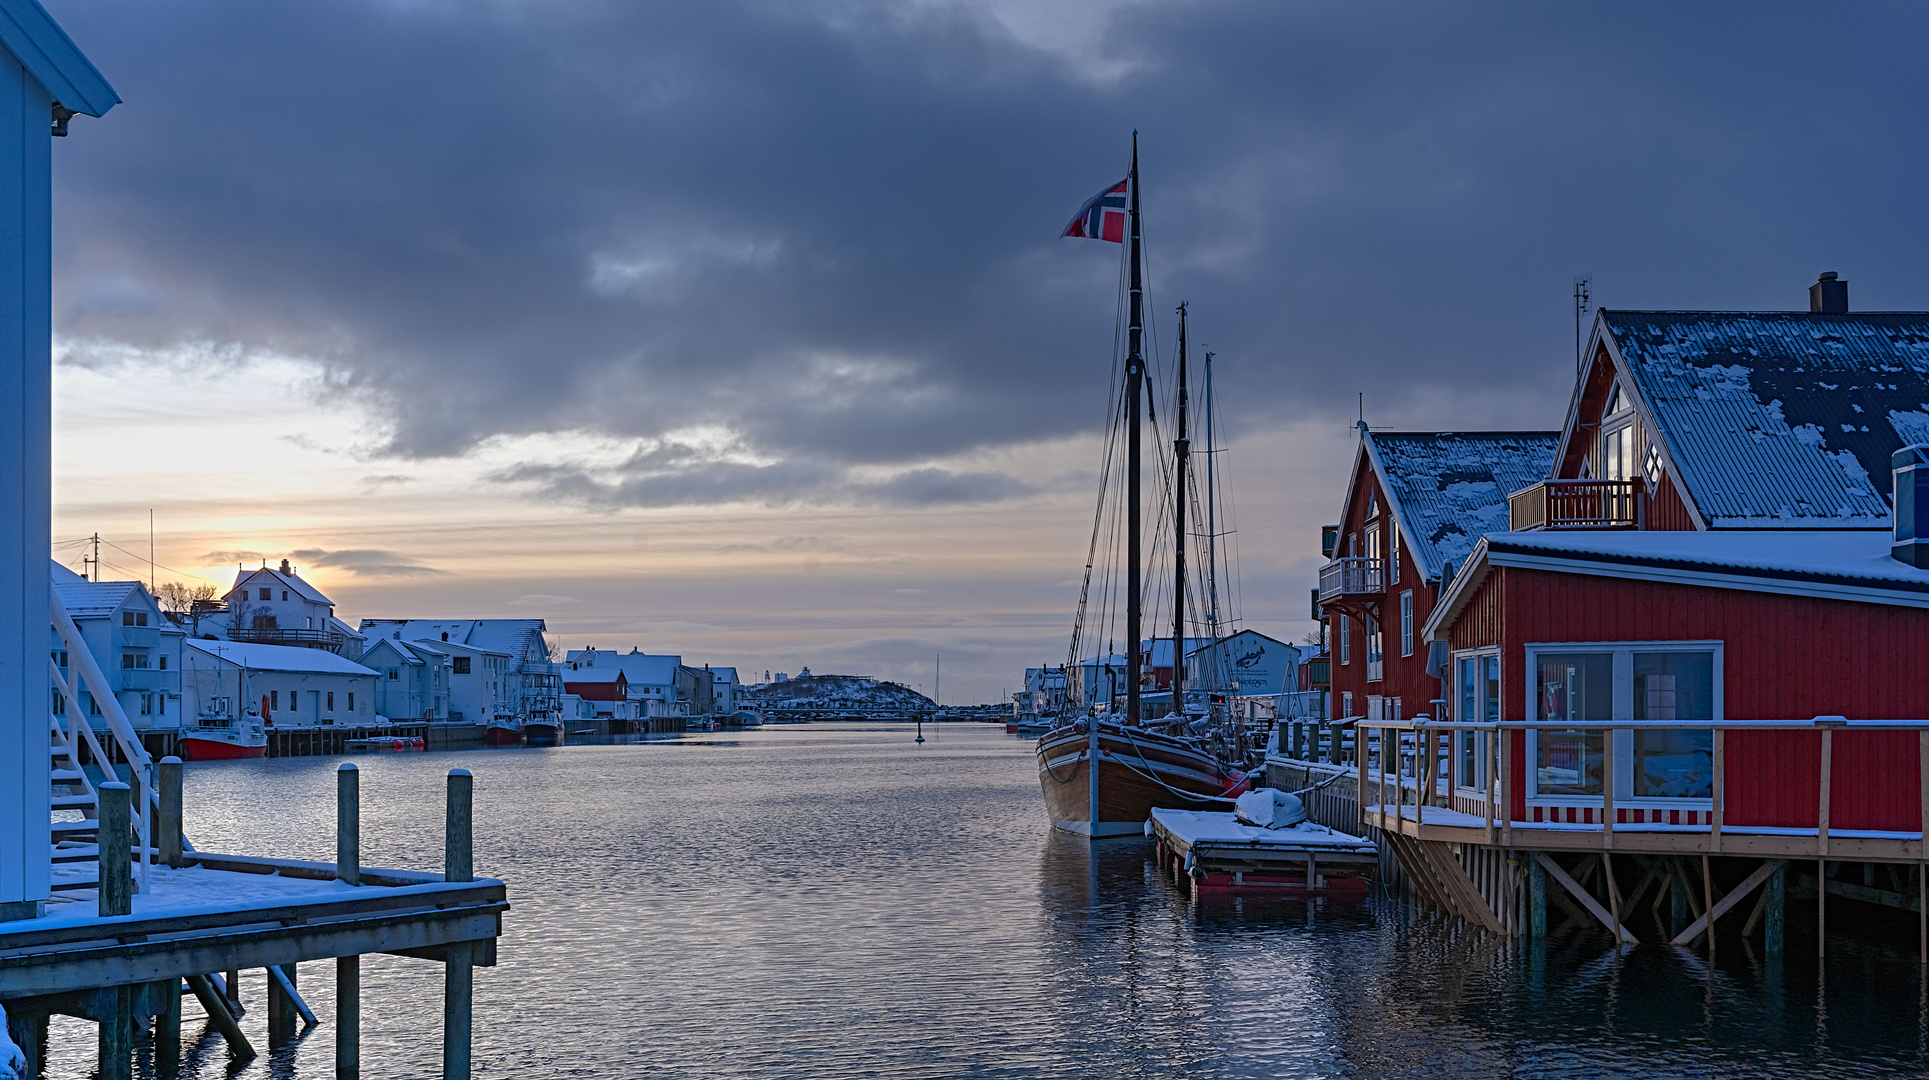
{"points": [[272, 657], [1450, 487], [1782, 419], [92, 599]]}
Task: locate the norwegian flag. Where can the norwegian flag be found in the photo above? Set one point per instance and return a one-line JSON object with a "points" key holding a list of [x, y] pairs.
{"points": [[1102, 217]]}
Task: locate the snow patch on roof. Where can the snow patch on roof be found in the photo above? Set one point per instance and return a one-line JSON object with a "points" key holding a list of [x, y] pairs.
{"points": [[1450, 488], [1832, 553], [271, 657]]}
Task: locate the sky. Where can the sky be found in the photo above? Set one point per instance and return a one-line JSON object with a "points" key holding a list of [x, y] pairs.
{"points": [[742, 329]]}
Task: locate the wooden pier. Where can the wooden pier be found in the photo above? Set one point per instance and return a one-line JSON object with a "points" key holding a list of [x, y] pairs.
{"points": [[127, 958]]}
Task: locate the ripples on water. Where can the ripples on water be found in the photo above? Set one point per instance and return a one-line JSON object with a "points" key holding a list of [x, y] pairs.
{"points": [[836, 901]]}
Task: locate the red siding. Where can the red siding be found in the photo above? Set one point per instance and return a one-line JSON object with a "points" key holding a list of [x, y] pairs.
{"points": [[1784, 658], [1478, 624], [1666, 512], [1405, 677]]}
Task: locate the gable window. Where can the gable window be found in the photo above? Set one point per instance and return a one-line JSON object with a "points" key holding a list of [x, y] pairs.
{"points": [[267, 594], [133, 618], [1663, 682], [1406, 623], [1617, 437], [462, 665], [393, 674], [1392, 551], [284, 594]]}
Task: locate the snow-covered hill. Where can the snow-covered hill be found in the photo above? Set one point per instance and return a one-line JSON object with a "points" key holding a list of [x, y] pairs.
{"points": [[836, 692]]}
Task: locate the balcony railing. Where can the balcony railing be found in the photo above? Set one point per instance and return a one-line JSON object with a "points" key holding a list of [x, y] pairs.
{"points": [[274, 635], [1578, 504], [1352, 577]]}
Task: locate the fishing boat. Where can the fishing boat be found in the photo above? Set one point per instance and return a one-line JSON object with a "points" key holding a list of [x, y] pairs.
{"points": [[543, 733], [224, 738], [502, 731], [1102, 773]]}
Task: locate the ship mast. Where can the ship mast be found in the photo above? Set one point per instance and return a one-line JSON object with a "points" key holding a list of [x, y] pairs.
{"points": [[1180, 447], [1134, 386]]}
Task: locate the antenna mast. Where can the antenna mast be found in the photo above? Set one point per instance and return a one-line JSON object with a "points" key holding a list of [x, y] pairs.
{"points": [[1583, 284]]}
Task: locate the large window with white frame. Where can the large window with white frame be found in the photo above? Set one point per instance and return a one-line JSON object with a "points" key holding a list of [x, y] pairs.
{"points": [[1476, 701], [1592, 683]]}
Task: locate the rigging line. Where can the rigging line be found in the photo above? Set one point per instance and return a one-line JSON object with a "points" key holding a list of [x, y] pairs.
{"points": [[156, 565]]}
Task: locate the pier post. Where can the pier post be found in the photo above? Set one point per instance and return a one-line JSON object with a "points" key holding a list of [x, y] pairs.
{"points": [[458, 973], [231, 985], [1536, 899], [167, 1033], [282, 1015], [348, 1018], [348, 823], [116, 857], [1776, 921], [117, 1035], [167, 828], [29, 1033]]}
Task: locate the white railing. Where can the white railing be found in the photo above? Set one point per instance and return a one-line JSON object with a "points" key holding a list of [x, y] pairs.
{"points": [[1352, 577], [71, 733]]}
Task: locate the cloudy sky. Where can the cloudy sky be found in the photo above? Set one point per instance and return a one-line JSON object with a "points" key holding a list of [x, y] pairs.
{"points": [[740, 328]]}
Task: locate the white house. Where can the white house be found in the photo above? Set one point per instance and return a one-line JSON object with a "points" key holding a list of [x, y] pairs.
{"points": [[528, 681], [1248, 664], [727, 689], [413, 679], [288, 686], [136, 646], [273, 606]]}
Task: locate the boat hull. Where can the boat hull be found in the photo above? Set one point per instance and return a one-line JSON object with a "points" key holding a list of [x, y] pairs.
{"points": [[1137, 770], [501, 736], [540, 734], [200, 749]]}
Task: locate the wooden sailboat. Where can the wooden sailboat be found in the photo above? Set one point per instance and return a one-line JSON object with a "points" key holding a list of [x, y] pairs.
{"points": [[1102, 774]]}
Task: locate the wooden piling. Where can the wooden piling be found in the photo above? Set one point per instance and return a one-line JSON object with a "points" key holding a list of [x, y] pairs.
{"points": [[167, 827], [231, 989], [220, 1016], [1774, 924], [458, 994], [348, 823], [458, 850], [112, 841], [1536, 900], [282, 1014], [29, 1033], [348, 1018], [167, 1033], [1821, 896], [117, 1032]]}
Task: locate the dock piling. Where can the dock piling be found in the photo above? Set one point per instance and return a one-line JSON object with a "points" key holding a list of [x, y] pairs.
{"points": [[167, 1032], [219, 1015], [1775, 923], [348, 823], [458, 998], [348, 1018], [117, 1031], [115, 855], [29, 1033], [458, 854], [281, 1006], [167, 828], [1536, 900]]}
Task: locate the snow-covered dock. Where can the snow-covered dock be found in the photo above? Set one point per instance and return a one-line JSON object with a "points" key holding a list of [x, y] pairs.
{"points": [[1214, 850]]}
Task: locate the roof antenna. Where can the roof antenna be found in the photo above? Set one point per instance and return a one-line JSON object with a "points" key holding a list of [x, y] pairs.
{"points": [[1362, 410], [1582, 284]]}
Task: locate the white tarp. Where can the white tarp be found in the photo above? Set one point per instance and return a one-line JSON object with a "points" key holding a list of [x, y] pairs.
{"points": [[1269, 808]]}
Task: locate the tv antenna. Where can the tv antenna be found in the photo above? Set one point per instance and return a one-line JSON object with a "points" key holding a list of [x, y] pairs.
{"points": [[1583, 284]]}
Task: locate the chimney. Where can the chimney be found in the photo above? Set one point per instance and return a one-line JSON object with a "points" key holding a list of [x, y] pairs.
{"points": [[1829, 295], [284, 567], [1911, 496]]}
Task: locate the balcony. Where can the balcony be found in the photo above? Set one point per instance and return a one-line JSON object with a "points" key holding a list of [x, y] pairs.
{"points": [[150, 679], [1352, 577], [274, 635], [1578, 504]]}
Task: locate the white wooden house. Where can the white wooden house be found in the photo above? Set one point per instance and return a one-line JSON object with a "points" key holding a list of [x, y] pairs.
{"points": [[137, 647], [274, 606], [413, 678], [525, 681], [651, 679], [286, 685]]}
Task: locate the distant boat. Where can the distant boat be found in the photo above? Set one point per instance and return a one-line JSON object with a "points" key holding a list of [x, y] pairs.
{"points": [[543, 733], [221, 738], [502, 731], [392, 742]]}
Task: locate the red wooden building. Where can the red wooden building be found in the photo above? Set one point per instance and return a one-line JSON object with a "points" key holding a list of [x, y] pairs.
{"points": [[1705, 633], [1415, 505]]}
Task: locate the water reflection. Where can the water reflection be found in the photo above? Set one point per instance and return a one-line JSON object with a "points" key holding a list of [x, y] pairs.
{"points": [[832, 901]]}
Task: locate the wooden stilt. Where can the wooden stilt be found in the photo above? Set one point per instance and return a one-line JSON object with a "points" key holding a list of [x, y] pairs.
{"points": [[29, 1033], [231, 989], [1536, 900], [284, 978], [1774, 928], [1718, 908], [1922, 910], [218, 1015], [1586, 899], [1708, 900], [458, 989], [167, 1033], [281, 1011], [113, 840], [117, 1027], [1614, 893]]}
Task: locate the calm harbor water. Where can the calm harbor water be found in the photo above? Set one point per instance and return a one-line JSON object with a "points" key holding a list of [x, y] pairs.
{"points": [[836, 901]]}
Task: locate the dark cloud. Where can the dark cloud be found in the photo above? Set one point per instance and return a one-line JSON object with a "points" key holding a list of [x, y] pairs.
{"points": [[829, 227], [364, 562]]}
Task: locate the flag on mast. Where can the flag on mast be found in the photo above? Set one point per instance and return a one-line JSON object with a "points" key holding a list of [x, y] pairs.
{"points": [[1102, 217]]}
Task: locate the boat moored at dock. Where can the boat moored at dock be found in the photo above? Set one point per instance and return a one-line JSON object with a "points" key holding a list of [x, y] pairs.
{"points": [[1137, 769]]}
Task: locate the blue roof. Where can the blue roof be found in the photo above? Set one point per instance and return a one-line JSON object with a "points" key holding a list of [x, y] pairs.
{"points": [[51, 57], [1450, 488], [1781, 419]]}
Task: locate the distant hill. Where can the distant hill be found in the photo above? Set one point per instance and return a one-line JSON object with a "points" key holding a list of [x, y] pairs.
{"points": [[836, 692]]}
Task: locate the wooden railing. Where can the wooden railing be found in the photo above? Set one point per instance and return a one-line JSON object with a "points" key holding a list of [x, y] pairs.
{"points": [[1578, 504], [75, 742], [1352, 577]]}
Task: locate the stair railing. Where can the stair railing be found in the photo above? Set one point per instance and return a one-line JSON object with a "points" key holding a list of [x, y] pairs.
{"points": [[145, 798]]}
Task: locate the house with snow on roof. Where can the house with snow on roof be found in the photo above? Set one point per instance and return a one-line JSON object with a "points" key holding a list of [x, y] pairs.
{"points": [[137, 648], [500, 674], [649, 679], [275, 606], [285, 685], [413, 679]]}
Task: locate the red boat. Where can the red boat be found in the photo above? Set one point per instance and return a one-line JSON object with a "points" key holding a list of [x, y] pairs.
{"points": [[221, 739], [502, 733]]}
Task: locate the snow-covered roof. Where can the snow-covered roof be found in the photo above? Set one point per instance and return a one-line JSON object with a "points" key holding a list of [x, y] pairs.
{"points": [[639, 668], [1161, 650], [93, 599], [1835, 564], [593, 675], [290, 580], [512, 637], [1781, 419], [271, 657], [410, 652], [727, 674], [1449, 488]]}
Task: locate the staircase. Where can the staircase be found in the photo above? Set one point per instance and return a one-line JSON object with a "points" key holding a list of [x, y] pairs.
{"points": [[80, 761]]}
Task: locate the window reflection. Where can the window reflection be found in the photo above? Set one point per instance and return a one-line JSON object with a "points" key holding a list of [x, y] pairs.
{"points": [[1575, 687]]}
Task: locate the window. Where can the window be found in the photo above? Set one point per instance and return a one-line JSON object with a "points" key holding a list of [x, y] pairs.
{"points": [[462, 665], [267, 594], [1477, 690], [1375, 646], [394, 674], [1346, 641], [1392, 551], [284, 594], [134, 659], [1654, 682], [147, 704], [133, 618], [1406, 623], [60, 657], [351, 701], [1346, 704], [274, 699], [331, 702], [163, 662], [160, 702], [1373, 546]]}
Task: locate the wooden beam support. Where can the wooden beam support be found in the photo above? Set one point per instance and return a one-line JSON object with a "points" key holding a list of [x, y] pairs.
{"points": [[1473, 906], [1720, 907], [1592, 905], [1720, 792], [217, 1009]]}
